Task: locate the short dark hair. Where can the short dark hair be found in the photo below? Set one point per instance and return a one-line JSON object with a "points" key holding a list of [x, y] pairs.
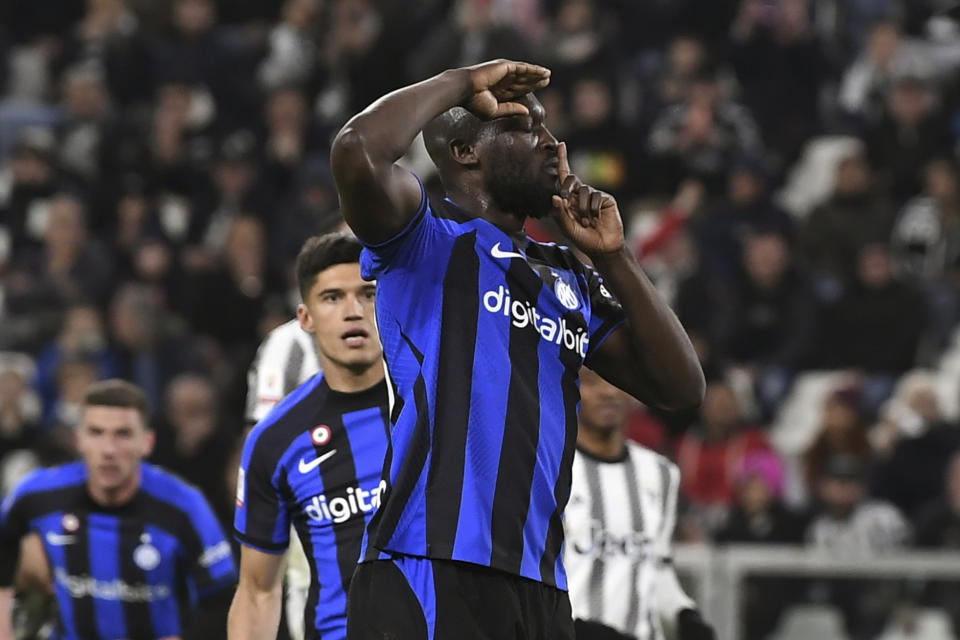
{"points": [[118, 393], [322, 252]]}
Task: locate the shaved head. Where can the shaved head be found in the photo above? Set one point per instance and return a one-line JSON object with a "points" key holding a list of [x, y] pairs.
{"points": [[456, 125]]}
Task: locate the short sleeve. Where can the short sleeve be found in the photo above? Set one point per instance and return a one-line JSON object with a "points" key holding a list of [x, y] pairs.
{"points": [[210, 563], [261, 519], [663, 543], [265, 381], [606, 314], [409, 247]]}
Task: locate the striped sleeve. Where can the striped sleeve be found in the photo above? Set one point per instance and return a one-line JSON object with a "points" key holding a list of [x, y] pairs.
{"points": [[261, 519], [606, 314], [209, 556], [670, 477], [406, 249], [275, 372]]}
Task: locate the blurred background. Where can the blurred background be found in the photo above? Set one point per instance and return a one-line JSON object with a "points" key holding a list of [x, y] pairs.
{"points": [[788, 172]]}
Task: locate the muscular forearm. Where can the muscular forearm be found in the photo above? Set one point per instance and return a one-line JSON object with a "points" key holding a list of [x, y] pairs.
{"points": [[670, 375], [385, 130], [254, 613]]}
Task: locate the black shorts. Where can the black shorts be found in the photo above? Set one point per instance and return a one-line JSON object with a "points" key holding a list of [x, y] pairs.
{"points": [[410, 598]]}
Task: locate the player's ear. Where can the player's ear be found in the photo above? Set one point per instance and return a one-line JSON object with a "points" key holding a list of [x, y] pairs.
{"points": [[464, 153], [303, 316], [149, 442]]}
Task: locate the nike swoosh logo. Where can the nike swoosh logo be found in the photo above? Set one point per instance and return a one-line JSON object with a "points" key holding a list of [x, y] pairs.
{"points": [[497, 253], [58, 540], [307, 467]]}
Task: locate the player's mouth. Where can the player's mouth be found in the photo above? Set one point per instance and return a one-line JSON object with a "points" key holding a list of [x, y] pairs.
{"points": [[355, 338], [552, 166]]}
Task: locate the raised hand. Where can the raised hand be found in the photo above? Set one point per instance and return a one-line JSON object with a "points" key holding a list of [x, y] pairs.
{"points": [[497, 83], [588, 216]]}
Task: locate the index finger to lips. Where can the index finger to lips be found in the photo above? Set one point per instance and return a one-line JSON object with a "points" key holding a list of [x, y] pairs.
{"points": [[563, 169]]}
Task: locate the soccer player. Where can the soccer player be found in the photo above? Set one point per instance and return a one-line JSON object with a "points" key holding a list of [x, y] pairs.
{"points": [[287, 358], [484, 332], [316, 459], [619, 526], [129, 544]]}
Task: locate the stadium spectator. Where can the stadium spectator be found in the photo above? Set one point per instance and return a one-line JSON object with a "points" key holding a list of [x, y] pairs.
{"points": [[191, 440], [856, 328], [781, 67], [911, 132], [713, 450], [912, 471], [768, 323], [855, 215], [842, 430], [701, 135]]}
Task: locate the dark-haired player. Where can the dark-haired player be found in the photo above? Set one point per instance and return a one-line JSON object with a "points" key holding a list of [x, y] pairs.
{"points": [[134, 551], [316, 459], [484, 332]]}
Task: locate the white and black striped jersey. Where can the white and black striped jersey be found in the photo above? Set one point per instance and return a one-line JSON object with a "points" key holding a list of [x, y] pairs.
{"points": [[619, 525], [287, 358]]}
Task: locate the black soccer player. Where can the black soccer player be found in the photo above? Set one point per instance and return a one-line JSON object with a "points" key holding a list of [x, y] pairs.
{"points": [[134, 551], [316, 459], [484, 332]]}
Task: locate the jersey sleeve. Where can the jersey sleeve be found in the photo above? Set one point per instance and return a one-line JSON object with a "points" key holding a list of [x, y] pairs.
{"points": [[209, 556], [265, 380], [261, 519], [409, 248], [13, 526], [606, 314]]}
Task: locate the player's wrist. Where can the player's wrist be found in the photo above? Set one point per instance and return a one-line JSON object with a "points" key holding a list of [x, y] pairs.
{"points": [[462, 81], [608, 258]]}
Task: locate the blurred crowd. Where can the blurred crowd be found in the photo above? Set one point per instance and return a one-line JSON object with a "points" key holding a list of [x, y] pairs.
{"points": [[788, 172]]}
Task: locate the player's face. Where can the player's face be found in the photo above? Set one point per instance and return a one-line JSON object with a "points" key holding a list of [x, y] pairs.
{"points": [[520, 162], [603, 407], [339, 311], [112, 441]]}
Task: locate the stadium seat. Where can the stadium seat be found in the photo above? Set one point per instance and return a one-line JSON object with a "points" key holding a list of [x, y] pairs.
{"points": [[921, 624], [809, 622]]}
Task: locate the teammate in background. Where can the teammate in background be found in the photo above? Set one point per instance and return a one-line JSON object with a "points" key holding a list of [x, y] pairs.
{"points": [[484, 334], [316, 459], [128, 543], [619, 526], [287, 358]]}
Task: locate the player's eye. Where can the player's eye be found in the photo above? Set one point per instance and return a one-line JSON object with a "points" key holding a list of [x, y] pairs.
{"points": [[330, 297], [370, 294]]}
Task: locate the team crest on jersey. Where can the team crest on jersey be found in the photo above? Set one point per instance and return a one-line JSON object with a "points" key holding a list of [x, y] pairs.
{"points": [[566, 294], [70, 522], [320, 435], [146, 556]]}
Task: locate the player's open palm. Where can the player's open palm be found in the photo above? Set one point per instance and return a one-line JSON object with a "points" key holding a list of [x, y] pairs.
{"points": [[589, 217], [497, 83]]}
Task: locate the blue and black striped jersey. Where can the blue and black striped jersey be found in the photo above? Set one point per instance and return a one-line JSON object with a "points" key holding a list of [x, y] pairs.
{"points": [[119, 572], [484, 335], [316, 461]]}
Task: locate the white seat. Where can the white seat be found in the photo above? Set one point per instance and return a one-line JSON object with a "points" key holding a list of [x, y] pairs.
{"points": [[811, 622]]}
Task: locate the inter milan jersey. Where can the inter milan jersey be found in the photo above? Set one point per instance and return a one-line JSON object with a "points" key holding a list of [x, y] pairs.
{"points": [[316, 460], [484, 335], [120, 572]]}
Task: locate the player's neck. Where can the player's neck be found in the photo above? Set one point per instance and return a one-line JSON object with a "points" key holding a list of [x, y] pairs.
{"points": [[115, 497], [346, 380], [479, 204], [608, 445]]}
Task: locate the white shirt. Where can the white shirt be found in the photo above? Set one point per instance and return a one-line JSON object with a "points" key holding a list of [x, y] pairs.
{"points": [[619, 525]]}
